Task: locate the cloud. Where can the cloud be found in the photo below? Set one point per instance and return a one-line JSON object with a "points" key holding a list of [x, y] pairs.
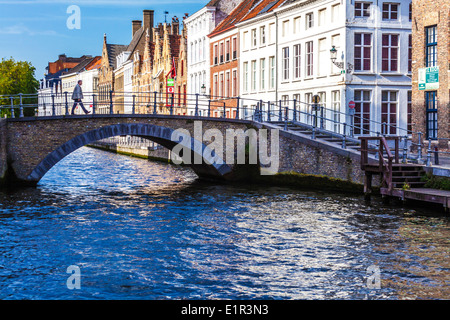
{"points": [[21, 29]]}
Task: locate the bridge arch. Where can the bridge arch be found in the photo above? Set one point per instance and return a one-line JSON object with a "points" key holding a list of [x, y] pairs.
{"points": [[159, 134]]}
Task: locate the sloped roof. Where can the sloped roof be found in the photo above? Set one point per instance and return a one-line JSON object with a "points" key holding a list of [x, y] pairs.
{"points": [[113, 51], [235, 16], [82, 65], [262, 7], [135, 41]]}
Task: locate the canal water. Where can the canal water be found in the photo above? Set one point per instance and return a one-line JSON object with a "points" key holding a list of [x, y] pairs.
{"points": [[143, 230]]}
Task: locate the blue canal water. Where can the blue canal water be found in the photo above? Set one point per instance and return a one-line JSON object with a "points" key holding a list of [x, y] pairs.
{"points": [[145, 230]]}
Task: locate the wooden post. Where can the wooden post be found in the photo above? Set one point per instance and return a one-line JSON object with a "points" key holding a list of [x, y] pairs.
{"points": [[368, 186]]}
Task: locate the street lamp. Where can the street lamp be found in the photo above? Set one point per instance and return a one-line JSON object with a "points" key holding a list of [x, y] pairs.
{"points": [[203, 89], [340, 65]]}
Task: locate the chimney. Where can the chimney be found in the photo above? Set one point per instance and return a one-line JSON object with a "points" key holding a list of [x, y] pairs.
{"points": [[149, 21], [137, 24], [175, 26]]}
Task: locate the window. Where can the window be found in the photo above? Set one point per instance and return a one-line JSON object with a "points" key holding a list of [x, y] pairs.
{"points": [[272, 72], [306, 114], [262, 31], [285, 63], [221, 52], [309, 58], [324, 58], [245, 76], [389, 59], [432, 115], [410, 11], [336, 42], [363, 51], [309, 20], [409, 110], [362, 9], [272, 33], [389, 112], [286, 28], [216, 54], [297, 61], [262, 72], [390, 11], [227, 84], [431, 46], [335, 109], [335, 13], [410, 53], [227, 50], [216, 85], [254, 75], [297, 25], [322, 17], [234, 83], [221, 88], [362, 112], [245, 40], [234, 41], [253, 38]]}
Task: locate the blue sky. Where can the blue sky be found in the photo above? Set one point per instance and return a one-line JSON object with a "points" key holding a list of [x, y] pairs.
{"points": [[36, 30]]}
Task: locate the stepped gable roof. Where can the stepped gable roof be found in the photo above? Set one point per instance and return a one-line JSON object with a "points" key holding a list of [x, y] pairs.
{"points": [[234, 17]]}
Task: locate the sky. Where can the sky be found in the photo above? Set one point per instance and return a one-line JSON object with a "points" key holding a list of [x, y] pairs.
{"points": [[37, 30]]}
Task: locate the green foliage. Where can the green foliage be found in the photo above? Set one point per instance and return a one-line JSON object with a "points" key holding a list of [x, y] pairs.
{"points": [[17, 77], [435, 182]]}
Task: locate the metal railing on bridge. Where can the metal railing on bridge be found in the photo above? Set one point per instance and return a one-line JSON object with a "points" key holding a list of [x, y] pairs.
{"points": [[317, 118]]}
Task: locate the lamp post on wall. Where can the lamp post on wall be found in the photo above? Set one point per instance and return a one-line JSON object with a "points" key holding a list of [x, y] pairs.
{"points": [[341, 64]]}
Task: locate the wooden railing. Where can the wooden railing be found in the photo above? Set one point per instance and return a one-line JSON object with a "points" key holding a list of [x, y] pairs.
{"points": [[386, 159]]}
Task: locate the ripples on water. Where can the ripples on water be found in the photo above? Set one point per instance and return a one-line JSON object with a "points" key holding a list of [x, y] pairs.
{"points": [[144, 230]]}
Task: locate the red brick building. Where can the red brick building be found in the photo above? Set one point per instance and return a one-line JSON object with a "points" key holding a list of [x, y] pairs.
{"points": [[431, 69], [224, 55]]}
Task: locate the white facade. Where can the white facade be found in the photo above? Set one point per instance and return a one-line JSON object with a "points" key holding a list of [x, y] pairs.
{"points": [[199, 26], [295, 63], [125, 67]]}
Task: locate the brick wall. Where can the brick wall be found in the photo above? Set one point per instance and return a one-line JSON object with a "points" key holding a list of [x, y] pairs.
{"points": [[3, 154], [428, 13]]}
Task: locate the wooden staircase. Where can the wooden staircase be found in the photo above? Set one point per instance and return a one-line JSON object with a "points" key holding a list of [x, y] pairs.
{"points": [[406, 174]]}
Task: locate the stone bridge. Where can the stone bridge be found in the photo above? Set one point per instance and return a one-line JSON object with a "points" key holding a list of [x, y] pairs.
{"points": [[30, 147]]}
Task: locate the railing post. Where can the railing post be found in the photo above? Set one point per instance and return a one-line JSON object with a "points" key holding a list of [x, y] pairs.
{"points": [[405, 151], [53, 105], [12, 107], [238, 102], [45, 109], [154, 102], [280, 115], [322, 124], [286, 116], [419, 147], [196, 105], [295, 110], [224, 110], [352, 126], [111, 105], [261, 104], [269, 118], [171, 105], [344, 137], [20, 106], [94, 103], [66, 103], [209, 108], [133, 109], [429, 153]]}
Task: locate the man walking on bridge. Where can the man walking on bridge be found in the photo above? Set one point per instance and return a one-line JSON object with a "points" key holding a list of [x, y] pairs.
{"points": [[77, 96]]}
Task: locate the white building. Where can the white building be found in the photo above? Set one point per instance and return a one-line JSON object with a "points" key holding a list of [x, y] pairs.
{"points": [[199, 26], [286, 56], [125, 70]]}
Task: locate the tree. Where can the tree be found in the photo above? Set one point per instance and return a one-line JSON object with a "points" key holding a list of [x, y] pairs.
{"points": [[17, 77]]}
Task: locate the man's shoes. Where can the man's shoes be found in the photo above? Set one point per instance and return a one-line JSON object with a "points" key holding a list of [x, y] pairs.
{"points": [[88, 112]]}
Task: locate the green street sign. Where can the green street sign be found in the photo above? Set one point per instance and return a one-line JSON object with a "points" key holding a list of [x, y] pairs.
{"points": [[429, 78], [170, 82]]}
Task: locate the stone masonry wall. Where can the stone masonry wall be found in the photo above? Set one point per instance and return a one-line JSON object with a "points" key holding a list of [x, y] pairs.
{"points": [[3, 153]]}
